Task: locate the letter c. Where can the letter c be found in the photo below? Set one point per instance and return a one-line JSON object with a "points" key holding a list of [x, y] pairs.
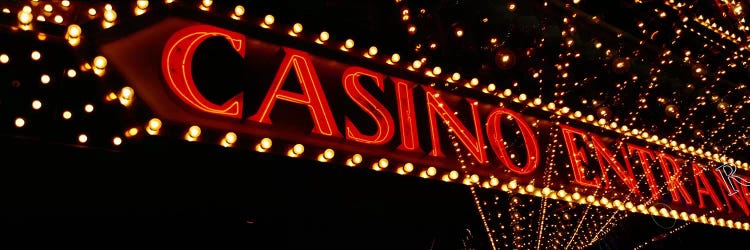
{"points": [[177, 60]]}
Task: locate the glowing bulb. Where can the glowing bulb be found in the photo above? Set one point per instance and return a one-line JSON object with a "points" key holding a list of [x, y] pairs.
{"points": [[456, 76], [323, 37], [141, 4], [67, 115], [126, 95], [408, 167], [297, 28], [395, 58], [383, 163], [296, 150], [25, 18], [82, 138], [131, 132], [327, 155], [35, 55], [110, 16], [264, 145], [45, 79], [512, 184], [36, 104], [238, 11], [20, 122], [116, 141], [349, 43], [354, 160], [590, 199], [431, 171], [153, 126], [4, 58], [453, 175], [416, 64], [436, 70], [267, 21], [372, 51], [72, 73], [100, 62], [88, 108], [193, 133], [74, 31], [206, 5], [229, 139]]}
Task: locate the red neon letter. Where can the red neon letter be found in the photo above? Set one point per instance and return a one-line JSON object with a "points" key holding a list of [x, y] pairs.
{"points": [[644, 155], [368, 103], [672, 173], [704, 188], [406, 115], [604, 155], [744, 190], [737, 198], [312, 94], [475, 144], [496, 140], [578, 156], [177, 61]]}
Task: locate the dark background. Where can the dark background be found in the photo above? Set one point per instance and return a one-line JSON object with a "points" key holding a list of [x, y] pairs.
{"points": [[163, 193], [176, 195]]}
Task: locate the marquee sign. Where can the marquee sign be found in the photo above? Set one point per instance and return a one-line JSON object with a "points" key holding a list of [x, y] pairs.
{"points": [[254, 84]]}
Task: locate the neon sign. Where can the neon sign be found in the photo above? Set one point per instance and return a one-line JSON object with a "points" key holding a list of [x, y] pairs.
{"points": [[355, 107]]}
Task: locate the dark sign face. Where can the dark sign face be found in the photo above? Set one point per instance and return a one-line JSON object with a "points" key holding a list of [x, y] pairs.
{"points": [[255, 85]]}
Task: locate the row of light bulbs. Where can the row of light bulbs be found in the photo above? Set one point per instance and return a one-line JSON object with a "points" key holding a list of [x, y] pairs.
{"points": [[73, 35], [514, 187], [347, 45]]}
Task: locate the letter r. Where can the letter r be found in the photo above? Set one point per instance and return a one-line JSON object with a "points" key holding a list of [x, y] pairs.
{"points": [[729, 178]]}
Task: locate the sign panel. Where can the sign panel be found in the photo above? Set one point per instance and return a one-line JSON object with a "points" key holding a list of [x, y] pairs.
{"points": [[260, 85]]}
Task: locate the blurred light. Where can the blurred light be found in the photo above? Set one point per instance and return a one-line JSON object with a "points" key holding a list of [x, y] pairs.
{"points": [[354, 160], [153, 126], [20, 122], [229, 139], [126, 96], [327, 155], [267, 21], [45, 79], [36, 104], [82, 138], [348, 44], [131, 132], [395, 58], [35, 55], [264, 145], [323, 37], [206, 5], [193, 133], [239, 10], [296, 150]]}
